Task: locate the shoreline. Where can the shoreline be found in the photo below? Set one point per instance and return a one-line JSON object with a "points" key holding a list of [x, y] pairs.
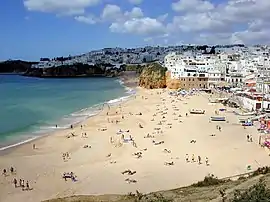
{"points": [[96, 110]]}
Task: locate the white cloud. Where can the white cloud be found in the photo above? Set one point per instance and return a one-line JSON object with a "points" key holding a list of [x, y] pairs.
{"points": [[70, 7], [135, 2], [86, 19], [163, 17], [136, 12], [201, 21], [141, 26], [192, 6], [233, 21], [111, 12]]}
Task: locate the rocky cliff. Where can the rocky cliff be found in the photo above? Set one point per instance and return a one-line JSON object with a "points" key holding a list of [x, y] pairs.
{"points": [[153, 76], [172, 83]]}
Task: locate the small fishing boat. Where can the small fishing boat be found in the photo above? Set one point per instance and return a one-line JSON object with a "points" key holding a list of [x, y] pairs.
{"points": [[197, 111], [218, 118], [245, 114]]}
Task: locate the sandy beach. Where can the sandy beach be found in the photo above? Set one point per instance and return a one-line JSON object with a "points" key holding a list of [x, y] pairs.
{"points": [[157, 150]]}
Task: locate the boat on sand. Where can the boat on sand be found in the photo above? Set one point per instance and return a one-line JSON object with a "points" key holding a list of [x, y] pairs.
{"points": [[218, 118], [197, 111]]}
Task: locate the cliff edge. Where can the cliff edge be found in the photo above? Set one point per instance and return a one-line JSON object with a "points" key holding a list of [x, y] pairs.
{"points": [[153, 76]]}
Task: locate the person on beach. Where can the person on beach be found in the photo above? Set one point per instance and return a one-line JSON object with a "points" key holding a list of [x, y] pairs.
{"points": [[186, 114], [206, 161], [193, 158], [111, 140], [81, 127], [71, 126], [11, 170], [199, 159], [187, 158], [4, 172], [34, 146], [22, 185], [20, 182], [27, 185], [15, 182], [248, 138]]}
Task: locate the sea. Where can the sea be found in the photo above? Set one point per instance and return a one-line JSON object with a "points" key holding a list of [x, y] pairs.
{"points": [[32, 107]]}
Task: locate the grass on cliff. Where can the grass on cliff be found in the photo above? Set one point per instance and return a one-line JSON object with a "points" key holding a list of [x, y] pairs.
{"points": [[255, 187]]}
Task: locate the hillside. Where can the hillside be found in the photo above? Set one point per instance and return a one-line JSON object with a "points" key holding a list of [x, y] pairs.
{"points": [[244, 189], [75, 70], [15, 66]]}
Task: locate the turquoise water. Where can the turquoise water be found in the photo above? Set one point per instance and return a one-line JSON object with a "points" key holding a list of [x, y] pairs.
{"points": [[33, 106]]}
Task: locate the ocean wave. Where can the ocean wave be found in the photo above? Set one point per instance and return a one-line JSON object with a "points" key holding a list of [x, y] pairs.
{"points": [[18, 144]]}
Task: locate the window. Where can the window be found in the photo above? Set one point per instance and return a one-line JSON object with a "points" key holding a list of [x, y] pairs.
{"points": [[188, 79]]}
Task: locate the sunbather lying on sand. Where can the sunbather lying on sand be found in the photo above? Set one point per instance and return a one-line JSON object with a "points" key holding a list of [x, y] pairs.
{"points": [[158, 143], [193, 141], [167, 151], [169, 163], [129, 172], [130, 180]]}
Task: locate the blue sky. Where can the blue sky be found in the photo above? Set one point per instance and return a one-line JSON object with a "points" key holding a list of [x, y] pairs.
{"points": [[47, 28]]}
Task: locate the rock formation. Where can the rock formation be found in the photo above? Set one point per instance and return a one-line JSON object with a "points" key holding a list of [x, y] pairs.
{"points": [[153, 76], [172, 83]]}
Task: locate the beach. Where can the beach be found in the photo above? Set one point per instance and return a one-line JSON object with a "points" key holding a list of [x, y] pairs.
{"points": [[139, 144]]}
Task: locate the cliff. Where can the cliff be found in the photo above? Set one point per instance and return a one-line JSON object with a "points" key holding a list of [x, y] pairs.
{"points": [[15, 66], [153, 76], [76, 70], [172, 83]]}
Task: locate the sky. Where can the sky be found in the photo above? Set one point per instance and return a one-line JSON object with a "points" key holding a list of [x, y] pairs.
{"points": [[31, 29]]}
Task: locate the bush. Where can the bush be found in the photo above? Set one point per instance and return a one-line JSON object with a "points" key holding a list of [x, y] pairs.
{"points": [[261, 171], [209, 181], [257, 192]]}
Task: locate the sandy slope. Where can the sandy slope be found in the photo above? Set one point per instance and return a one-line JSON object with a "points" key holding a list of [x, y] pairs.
{"points": [[229, 153]]}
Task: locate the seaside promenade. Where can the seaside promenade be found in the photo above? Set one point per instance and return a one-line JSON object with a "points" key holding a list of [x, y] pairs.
{"points": [[146, 143]]}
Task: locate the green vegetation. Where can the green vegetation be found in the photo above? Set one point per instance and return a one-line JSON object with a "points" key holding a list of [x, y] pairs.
{"points": [[257, 193], [209, 180], [137, 68]]}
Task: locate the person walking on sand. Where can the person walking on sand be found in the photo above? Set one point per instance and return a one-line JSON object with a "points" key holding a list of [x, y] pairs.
{"points": [[199, 159], [193, 158], [206, 161], [4, 172], [15, 182], [11, 170], [187, 158], [27, 185], [20, 182], [248, 138]]}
